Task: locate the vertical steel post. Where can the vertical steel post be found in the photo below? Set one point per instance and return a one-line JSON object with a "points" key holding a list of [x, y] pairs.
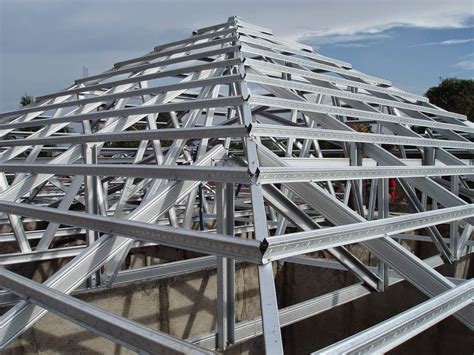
{"points": [[355, 159], [453, 226], [225, 268], [91, 200], [428, 159], [230, 221], [383, 210]]}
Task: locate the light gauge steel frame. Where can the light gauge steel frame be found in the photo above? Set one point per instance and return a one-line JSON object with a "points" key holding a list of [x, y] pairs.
{"points": [[233, 131]]}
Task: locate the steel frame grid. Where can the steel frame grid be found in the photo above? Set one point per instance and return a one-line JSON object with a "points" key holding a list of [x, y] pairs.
{"points": [[238, 90]]}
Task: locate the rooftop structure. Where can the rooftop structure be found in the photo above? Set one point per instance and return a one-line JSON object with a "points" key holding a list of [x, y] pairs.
{"points": [[229, 133]]}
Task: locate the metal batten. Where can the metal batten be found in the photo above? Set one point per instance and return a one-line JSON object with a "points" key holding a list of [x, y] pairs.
{"points": [[162, 63], [390, 333], [142, 77], [204, 103], [180, 172], [240, 249], [296, 85], [266, 130], [154, 55], [298, 174], [331, 79], [294, 244], [227, 79], [326, 109], [314, 64]]}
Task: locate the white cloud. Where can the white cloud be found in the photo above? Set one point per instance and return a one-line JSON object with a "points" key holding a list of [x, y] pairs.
{"points": [[344, 40], [326, 18], [465, 65], [448, 42], [353, 45]]}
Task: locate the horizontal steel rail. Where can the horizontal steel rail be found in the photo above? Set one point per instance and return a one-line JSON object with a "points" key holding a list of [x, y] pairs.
{"points": [[118, 329], [332, 110], [283, 246], [345, 162], [301, 174], [171, 269], [194, 38], [167, 107], [173, 172], [389, 334], [282, 48], [253, 27], [142, 77], [165, 62], [267, 130], [315, 65], [275, 39], [207, 243], [128, 136], [37, 234], [330, 79], [202, 30], [221, 80], [154, 55], [32, 256], [295, 85], [154, 272]]}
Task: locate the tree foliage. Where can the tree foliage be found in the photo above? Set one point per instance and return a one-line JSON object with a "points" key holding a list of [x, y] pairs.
{"points": [[26, 100], [456, 95]]}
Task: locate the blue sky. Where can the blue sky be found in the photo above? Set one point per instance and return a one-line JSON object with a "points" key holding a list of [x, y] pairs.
{"points": [[45, 43], [412, 58]]}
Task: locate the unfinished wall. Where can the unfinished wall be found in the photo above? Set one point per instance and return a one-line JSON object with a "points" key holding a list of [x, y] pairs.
{"points": [[185, 306]]}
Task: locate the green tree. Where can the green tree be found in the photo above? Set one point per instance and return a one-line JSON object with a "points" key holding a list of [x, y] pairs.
{"points": [[456, 95], [26, 100]]}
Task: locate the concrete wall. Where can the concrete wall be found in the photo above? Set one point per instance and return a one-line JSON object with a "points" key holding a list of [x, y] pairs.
{"points": [[181, 306], [448, 337], [185, 306]]}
